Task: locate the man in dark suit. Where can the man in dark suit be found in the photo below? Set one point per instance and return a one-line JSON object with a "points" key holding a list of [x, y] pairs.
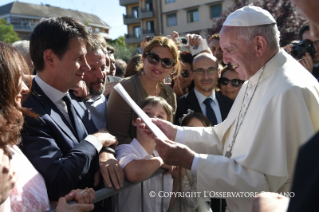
{"points": [[63, 144], [206, 74], [204, 99]]}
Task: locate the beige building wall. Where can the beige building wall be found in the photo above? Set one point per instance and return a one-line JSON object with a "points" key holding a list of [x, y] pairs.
{"points": [[181, 9]]}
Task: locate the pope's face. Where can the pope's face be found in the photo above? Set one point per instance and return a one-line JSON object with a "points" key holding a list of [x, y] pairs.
{"points": [[310, 9], [238, 52]]}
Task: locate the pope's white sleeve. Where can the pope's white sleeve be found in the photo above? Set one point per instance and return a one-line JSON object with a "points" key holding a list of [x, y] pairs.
{"points": [[221, 174]]}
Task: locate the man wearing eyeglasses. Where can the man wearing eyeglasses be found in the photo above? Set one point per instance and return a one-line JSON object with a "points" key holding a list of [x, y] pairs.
{"points": [[204, 98]]}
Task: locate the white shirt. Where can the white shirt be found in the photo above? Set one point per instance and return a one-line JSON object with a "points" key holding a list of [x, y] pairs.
{"points": [[283, 114], [130, 199], [56, 97], [201, 98]]}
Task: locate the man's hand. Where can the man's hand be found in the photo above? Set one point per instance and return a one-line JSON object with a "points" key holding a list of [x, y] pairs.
{"points": [[8, 177], [174, 153], [79, 207], [307, 62], [111, 170], [106, 138], [270, 202], [109, 87], [167, 127], [81, 90]]}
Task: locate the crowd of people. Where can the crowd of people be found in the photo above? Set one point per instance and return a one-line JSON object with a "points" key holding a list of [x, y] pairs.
{"points": [[235, 115]]}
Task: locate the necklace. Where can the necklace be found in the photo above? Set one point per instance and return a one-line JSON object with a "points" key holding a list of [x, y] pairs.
{"points": [[228, 154]]}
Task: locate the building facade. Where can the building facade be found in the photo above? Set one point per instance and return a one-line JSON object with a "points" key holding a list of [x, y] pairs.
{"points": [[24, 17], [162, 17]]}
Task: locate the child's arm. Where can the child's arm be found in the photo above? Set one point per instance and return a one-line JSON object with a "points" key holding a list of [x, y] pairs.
{"points": [[139, 170]]}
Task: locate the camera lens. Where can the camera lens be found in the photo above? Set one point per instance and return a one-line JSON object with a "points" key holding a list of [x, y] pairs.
{"points": [[298, 52], [184, 41]]}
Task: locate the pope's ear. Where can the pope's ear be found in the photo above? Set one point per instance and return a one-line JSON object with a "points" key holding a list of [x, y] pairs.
{"points": [[49, 57], [260, 45]]}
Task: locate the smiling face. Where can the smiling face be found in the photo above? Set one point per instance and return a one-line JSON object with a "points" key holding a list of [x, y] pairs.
{"points": [[96, 77], [238, 52], [207, 82], [155, 72], [69, 70], [229, 90]]}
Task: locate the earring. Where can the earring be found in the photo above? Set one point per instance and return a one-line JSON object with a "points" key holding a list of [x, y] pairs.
{"points": [[143, 72]]}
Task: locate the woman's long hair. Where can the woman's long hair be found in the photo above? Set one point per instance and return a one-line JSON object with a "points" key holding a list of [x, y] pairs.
{"points": [[12, 65]]}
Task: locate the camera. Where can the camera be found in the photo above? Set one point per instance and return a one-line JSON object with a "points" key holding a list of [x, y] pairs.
{"points": [[181, 41], [298, 50]]}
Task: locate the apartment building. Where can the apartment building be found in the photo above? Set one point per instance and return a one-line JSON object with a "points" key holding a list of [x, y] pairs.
{"points": [[162, 17], [24, 17]]}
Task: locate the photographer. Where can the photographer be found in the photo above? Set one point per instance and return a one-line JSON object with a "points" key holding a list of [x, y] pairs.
{"points": [[310, 60]]}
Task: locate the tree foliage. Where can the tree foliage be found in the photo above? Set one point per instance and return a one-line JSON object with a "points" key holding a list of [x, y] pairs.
{"points": [[7, 33], [288, 20], [122, 51]]}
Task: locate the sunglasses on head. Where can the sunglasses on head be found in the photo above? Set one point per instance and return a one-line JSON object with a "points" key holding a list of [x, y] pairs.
{"points": [[155, 59], [185, 73], [234, 82]]}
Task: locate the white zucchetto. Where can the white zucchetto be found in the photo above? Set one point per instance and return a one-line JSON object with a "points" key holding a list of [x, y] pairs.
{"points": [[249, 16]]}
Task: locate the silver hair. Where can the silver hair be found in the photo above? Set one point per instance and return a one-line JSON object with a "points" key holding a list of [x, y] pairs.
{"points": [[270, 32], [23, 46]]}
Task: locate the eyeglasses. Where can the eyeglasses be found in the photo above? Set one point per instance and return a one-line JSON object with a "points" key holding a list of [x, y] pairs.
{"points": [[185, 73], [155, 59], [234, 82], [201, 71]]}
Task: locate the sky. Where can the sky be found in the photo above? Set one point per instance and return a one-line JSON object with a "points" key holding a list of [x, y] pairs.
{"points": [[109, 11]]}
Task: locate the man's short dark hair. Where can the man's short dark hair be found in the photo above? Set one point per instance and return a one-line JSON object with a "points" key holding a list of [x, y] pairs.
{"points": [[303, 29], [55, 33]]}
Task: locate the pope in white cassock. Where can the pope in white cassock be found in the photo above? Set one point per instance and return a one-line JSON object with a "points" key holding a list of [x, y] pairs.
{"points": [[276, 110]]}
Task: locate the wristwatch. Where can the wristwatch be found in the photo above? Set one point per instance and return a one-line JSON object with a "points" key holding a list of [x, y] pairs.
{"points": [[109, 150]]}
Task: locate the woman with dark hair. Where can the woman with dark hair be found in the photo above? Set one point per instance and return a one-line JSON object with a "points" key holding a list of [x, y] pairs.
{"points": [[29, 192], [229, 83], [159, 59], [184, 82]]}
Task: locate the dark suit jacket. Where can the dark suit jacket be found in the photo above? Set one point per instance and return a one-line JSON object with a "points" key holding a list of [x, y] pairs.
{"points": [[306, 178], [50, 144], [189, 101]]}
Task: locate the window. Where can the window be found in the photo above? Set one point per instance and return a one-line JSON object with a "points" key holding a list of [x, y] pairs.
{"points": [[215, 10], [149, 5], [170, 1], [171, 19], [192, 16], [135, 12], [137, 31], [150, 26], [97, 29]]}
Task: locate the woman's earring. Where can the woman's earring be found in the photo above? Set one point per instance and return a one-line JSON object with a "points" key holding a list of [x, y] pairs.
{"points": [[143, 72]]}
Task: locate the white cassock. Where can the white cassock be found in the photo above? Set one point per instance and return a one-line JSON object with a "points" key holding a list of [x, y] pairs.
{"points": [[283, 114]]}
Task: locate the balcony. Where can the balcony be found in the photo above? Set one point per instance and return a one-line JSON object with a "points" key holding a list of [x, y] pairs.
{"points": [[146, 13], [26, 28], [147, 32], [127, 2], [133, 38], [130, 19]]}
